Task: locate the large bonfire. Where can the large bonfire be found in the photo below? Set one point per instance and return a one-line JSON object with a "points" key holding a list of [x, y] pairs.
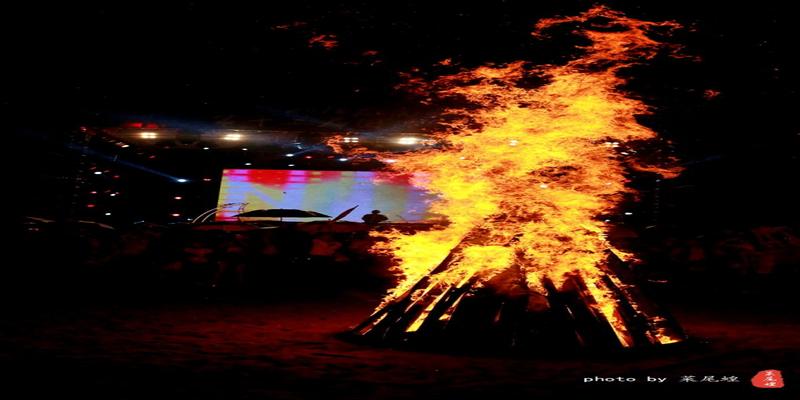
{"points": [[523, 176]]}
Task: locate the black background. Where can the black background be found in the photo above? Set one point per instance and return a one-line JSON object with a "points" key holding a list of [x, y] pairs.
{"points": [[75, 64]]}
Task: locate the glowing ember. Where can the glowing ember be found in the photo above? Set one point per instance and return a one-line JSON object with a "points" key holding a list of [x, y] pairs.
{"points": [[523, 177], [327, 41]]}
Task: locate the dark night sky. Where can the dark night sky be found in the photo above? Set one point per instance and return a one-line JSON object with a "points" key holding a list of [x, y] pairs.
{"points": [[71, 64]]}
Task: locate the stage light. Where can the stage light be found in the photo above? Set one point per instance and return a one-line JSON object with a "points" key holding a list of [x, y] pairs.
{"points": [[175, 215], [181, 180], [291, 165], [125, 146], [390, 161], [113, 195], [148, 135], [232, 137], [244, 148], [350, 140], [408, 140], [178, 198], [206, 148], [289, 155], [107, 214], [248, 164], [343, 159], [98, 172], [513, 142], [628, 213]]}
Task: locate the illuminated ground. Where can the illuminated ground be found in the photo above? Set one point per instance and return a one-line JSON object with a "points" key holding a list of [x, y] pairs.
{"points": [[288, 350]]}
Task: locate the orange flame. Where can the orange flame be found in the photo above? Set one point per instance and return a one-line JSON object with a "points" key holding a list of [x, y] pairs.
{"points": [[534, 168]]}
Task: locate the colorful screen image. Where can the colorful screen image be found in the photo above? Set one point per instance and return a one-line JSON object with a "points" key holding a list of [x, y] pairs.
{"points": [[327, 192]]}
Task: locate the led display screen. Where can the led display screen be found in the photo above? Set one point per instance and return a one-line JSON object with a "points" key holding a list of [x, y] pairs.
{"points": [[326, 192]]}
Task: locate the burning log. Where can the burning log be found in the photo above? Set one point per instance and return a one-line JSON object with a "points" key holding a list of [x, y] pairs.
{"points": [[507, 311]]}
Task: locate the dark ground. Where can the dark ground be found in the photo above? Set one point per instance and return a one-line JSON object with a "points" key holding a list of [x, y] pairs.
{"points": [[289, 350]]}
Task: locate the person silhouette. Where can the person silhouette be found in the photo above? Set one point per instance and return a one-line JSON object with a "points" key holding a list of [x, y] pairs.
{"points": [[374, 218]]}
